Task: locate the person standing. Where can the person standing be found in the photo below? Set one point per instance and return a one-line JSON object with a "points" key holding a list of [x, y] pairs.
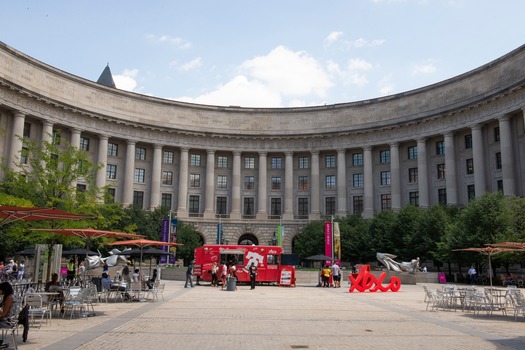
{"points": [[125, 272], [224, 273], [326, 276], [70, 276], [189, 275], [21, 270], [472, 274], [336, 275], [253, 275], [214, 271]]}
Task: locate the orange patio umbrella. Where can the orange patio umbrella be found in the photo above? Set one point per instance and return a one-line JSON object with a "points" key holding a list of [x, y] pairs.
{"points": [[489, 250]]}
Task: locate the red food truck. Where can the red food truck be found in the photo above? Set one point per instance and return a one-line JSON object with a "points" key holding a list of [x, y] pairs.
{"points": [[266, 258]]}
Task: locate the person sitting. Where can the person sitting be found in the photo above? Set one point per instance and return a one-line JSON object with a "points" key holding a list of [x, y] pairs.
{"points": [[54, 286], [136, 275], [106, 282], [150, 282]]}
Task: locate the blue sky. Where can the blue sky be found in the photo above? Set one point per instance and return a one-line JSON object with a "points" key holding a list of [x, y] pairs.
{"points": [[272, 53]]}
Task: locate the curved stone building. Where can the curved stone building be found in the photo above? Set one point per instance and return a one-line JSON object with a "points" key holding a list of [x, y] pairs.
{"points": [[253, 168]]}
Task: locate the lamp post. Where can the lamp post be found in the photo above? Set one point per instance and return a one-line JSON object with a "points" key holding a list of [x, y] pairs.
{"points": [[274, 239]]}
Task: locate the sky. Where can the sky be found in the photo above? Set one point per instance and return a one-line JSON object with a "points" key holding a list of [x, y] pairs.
{"points": [[271, 53]]}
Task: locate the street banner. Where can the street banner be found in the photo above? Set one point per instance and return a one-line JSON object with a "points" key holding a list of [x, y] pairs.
{"points": [[165, 238], [337, 241], [173, 239], [328, 239], [219, 234]]}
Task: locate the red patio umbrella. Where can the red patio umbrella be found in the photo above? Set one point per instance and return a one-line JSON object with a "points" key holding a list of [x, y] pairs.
{"points": [[489, 250], [87, 234], [11, 213], [516, 245], [142, 243]]}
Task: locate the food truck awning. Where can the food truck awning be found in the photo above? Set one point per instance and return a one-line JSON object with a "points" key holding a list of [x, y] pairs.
{"points": [[232, 251]]}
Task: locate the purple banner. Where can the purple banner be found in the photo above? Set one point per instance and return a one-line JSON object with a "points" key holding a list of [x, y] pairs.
{"points": [[165, 238]]}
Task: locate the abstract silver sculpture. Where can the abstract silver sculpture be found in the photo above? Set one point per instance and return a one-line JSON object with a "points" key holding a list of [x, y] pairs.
{"points": [[392, 265]]}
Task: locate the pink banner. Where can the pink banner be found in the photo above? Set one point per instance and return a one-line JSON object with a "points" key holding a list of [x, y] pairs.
{"points": [[328, 240]]}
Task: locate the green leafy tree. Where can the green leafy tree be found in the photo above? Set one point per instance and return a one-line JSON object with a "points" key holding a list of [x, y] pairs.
{"points": [[310, 241], [187, 235]]}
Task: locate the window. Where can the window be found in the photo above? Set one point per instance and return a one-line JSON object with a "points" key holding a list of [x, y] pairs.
{"points": [[440, 148], [496, 134], [470, 166], [386, 201], [83, 166], [139, 175], [276, 182], [384, 156], [222, 162], [385, 178], [412, 175], [56, 137], [442, 196], [81, 188], [357, 159], [111, 171], [165, 200], [138, 199], [24, 155], [499, 184], [195, 180], [249, 206], [329, 161], [140, 153], [27, 130], [110, 195], [167, 178], [358, 204], [414, 198], [167, 157], [471, 192], [329, 182], [276, 162], [249, 162], [302, 208], [303, 184], [194, 205], [222, 181], [84, 144], [303, 163], [441, 171], [249, 183], [412, 152], [468, 141], [221, 206], [358, 180], [112, 149], [195, 160], [330, 206], [498, 160], [275, 208]]}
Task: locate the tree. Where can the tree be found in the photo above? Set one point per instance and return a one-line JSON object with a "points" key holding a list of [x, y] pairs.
{"points": [[310, 241], [191, 239]]}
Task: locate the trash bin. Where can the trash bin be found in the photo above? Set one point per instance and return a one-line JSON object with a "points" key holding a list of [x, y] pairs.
{"points": [[231, 284]]}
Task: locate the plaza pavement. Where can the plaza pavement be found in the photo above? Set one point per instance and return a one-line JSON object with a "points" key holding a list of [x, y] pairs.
{"points": [[271, 317]]}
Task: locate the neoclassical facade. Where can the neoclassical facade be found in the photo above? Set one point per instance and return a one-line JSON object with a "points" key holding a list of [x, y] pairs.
{"points": [[253, 168]]}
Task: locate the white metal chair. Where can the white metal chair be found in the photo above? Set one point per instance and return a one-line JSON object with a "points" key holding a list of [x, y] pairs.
{"points": [[75, 302], [37, 309]]}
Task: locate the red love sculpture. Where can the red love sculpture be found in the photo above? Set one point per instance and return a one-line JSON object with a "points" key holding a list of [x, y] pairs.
{"points": [[365, 280]]}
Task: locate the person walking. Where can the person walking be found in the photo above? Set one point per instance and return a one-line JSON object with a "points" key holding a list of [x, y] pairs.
{"points": [[21, 270], [253, 275], [224, 273], [336, 275], [214, 270], [189, 275]]}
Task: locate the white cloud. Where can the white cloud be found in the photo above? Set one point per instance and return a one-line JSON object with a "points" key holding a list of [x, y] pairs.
{"points": [[174, 41], [386, 86], [427, 68], [193, 64], [333, 37], [359, 64], [127, 80], [361, 42]]}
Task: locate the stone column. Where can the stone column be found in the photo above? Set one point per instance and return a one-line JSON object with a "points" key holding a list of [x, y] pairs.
{"points": [[102, 159], [450, 169], [288, 186], [210, 185], [262, 200], [15, 140], [395, 177], [129, 172], [341, 182], [156, 176], [47, 131], [368, 183], [315, 213], [182, 210], [507, 156], [75, 142], [422, 173], [478, 157], [236, 186]]}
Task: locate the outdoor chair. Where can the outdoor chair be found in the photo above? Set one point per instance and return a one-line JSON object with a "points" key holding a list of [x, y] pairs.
{"points": [[136, 290], [37, 309], [518, 303], [434, 299], [155, 291], [76, 302], [20, 320]]}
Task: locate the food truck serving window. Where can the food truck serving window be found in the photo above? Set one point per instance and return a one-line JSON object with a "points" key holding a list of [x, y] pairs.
{"points": [[272, 259], [235, 256]]}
